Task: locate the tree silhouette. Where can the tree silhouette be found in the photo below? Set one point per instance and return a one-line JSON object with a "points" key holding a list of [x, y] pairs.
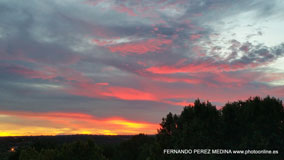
{"points": [[138, 147], [252, 124], [78, 150]]}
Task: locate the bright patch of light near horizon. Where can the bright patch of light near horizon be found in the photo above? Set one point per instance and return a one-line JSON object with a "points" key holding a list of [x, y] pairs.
{"points": [[3, 116], [277, 66]]}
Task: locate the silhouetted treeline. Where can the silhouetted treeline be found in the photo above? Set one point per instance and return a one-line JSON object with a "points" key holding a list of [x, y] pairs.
{"points": [[254, 124]]}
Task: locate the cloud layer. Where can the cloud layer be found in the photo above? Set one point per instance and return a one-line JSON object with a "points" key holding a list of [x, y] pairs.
{"points": [[136, 60]]}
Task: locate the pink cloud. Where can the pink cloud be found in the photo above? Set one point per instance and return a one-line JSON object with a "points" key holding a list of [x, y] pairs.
{"points": [[102, 84], [103, 90], [142, 63], [93, 2], [173, 80], [195, 36], [141, 47], [30, 73], [167, 79], [128, 94], [123, 9], [197, 67], [215, 92], [46, 72]]}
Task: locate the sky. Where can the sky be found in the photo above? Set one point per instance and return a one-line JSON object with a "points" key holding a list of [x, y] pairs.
{"points": [[118, 66]]}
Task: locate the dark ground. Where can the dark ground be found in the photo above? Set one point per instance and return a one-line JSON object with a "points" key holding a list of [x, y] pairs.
{"points": [[6, 143]]}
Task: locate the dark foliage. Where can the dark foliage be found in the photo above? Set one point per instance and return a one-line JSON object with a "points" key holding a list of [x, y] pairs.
{"points": [[254, 124]]}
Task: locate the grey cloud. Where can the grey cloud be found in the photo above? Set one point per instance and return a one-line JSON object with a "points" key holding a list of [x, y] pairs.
{"points": [[260, 54], [48, 31]]}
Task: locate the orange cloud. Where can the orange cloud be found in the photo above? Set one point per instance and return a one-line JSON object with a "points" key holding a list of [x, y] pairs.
{"points": [[104, 90], [128, 94], [20, 123]]}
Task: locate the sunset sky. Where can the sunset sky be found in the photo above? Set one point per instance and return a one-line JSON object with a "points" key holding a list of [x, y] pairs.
{"points": [[118, 66]]}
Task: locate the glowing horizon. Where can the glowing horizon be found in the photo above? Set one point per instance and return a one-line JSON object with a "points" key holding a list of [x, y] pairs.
{"points": [[58, 123]]}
